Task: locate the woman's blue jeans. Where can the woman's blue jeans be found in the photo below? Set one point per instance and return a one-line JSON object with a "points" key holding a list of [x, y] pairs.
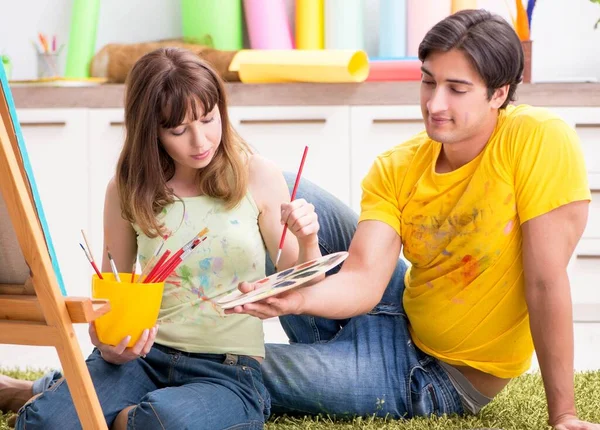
{"points": [[172, 390]]}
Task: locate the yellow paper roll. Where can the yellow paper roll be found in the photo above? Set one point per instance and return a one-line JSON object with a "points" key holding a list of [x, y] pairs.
{"points": [[269, 65], [463, 4], [309, 24]]}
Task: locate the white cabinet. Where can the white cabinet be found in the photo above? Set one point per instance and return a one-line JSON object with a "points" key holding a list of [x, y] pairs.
{"points": [[106, 137], [57, 145], [373, 130], [280, 134]]}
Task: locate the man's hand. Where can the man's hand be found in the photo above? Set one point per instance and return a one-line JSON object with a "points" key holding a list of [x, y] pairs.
{"points": [[120, 354], [289, 302], [572, 423]]}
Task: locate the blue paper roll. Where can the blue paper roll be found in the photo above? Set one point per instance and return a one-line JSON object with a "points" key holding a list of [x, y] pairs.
{"points": [[392, 28]]}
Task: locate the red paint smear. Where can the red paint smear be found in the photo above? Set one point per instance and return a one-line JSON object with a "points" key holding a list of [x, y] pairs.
{"points": [[470, 269]]}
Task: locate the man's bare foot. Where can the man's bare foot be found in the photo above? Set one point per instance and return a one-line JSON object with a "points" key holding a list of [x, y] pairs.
{"points": [[14, 393]]}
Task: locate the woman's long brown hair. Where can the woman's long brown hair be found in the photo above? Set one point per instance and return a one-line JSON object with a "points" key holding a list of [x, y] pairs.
{"points": [[161, 88]]}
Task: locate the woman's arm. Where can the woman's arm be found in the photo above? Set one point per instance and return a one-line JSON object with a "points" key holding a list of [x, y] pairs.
{"points": [[271, 194], [119, 235]]}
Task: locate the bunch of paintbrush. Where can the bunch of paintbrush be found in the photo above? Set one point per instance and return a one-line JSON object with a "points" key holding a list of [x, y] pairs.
{"points": [[162, 269]]}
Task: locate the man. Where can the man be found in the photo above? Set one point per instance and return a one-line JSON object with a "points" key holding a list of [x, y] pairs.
{"points": [[488, 205]]}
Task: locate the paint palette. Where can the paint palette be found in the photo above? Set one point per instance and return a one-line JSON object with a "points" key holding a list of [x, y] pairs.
{"points": [[282, 281]]}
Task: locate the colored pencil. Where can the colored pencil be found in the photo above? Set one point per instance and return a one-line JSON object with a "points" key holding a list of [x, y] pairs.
{"points": [[292, 199]]}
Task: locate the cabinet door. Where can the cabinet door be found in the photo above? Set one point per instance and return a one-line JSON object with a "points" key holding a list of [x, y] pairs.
{"points": [[56, 141], [280, 134], [375, 129], [106, 138]]}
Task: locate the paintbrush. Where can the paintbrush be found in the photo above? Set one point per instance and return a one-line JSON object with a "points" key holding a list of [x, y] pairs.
{"points": [[292, 199], [113, 266]]}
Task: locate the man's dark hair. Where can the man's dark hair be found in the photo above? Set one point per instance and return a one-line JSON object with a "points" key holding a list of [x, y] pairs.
{"points": [[489, 42]]}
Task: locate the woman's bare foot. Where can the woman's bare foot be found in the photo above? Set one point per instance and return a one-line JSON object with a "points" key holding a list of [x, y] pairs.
{"points": [[14, 393]]}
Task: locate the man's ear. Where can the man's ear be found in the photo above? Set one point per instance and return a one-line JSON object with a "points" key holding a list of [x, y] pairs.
{"points": [[499, 96]]}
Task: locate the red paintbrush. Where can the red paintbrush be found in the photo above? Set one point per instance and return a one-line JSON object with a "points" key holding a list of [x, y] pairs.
{"points": [[164, 274], [293, 197], [161, 265], [157, 267], [91, 262]]}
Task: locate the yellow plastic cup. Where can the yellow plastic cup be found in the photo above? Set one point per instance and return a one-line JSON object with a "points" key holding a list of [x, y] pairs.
{"points": [[133, 307]]}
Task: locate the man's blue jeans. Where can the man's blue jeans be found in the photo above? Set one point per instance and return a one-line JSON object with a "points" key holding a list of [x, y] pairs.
{"points": [[366, 365]]}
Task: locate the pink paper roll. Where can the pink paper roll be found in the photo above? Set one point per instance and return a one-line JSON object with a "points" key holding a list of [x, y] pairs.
{"points": [[421, 16], [267, 24], [394, 70]]}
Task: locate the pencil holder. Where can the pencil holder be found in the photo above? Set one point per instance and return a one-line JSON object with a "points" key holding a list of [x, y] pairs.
{"points": [[133, 307], [48, 65]]}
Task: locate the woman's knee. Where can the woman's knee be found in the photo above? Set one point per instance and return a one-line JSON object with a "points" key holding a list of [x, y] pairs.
{"points": [[170, 416], [52, 409]]}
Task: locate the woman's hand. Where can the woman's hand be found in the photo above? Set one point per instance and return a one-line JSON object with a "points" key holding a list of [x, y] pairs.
{"points": [[302, 221], [120, 354]]}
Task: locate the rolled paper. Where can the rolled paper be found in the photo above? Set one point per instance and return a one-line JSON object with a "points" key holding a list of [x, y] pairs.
{"points": [[214, 24], [275, 66], [421, 16], [82, 37], [267, 24], [392, 28], [344, 24], [309, 24], [394, 70], [463, 4]]}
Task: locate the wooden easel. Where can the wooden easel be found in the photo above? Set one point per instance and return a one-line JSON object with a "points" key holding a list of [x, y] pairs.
{"points": [[32, 309]]}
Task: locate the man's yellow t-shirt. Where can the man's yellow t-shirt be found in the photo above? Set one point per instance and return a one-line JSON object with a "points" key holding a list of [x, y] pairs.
{"points": [[461, 232]]}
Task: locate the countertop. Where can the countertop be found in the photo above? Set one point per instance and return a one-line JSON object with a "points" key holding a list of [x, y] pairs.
{"points": [[305, 94]]}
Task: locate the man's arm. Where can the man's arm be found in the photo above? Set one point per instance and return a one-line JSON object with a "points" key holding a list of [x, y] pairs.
{"points": [[354, 290], [548, 244]]}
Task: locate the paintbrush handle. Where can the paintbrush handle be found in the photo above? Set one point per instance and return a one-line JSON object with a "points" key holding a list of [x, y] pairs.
{"points": [[293, 196]]}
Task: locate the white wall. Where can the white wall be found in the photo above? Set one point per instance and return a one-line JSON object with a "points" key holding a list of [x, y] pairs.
{"points": [[565, 47]]}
